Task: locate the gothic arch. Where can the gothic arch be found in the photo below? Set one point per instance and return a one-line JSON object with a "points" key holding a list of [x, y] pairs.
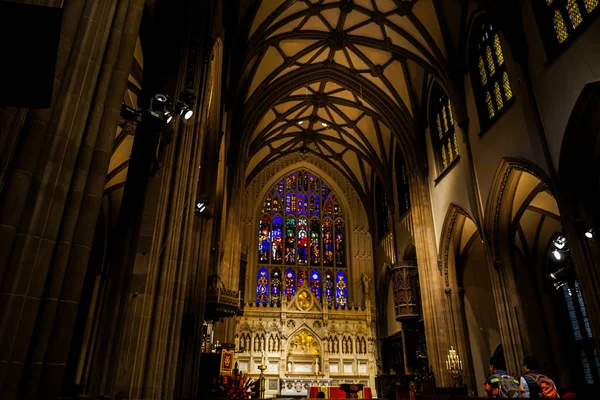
{"points": [[454, 221], [498, 219]]}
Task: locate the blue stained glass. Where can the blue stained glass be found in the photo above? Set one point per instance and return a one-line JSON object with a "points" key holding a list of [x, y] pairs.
{"points": [[572, 313], [327, 242], [315, 242], [276, 287], [329, 288], [290, 240], [315, 283], [339, 242], [290, 283], [341, 290], [586, 321], [301, 277], [264, 237], [262, 287], [288, 202], [280, 188], [302, 241], [317, 206], [277, 239]]}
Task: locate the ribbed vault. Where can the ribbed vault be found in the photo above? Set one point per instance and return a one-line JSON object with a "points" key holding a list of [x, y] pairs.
{"points": [[341, 79]]}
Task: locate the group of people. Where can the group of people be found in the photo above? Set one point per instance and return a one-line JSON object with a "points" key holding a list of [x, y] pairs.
{"points": [[531, 384]]}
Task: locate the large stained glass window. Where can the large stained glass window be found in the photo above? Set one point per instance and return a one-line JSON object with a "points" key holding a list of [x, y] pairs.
{"points": [[560, 21], [301, 228], [443, 135], [489, 77]]}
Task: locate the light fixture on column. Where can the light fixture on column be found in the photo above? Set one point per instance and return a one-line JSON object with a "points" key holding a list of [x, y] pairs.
{"points": [[589, 234], [454, 366], [556, 254], [200, 206]]}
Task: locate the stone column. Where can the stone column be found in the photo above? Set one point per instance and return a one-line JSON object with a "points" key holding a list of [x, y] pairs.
{"points": [[432, 286], [51, 197]]}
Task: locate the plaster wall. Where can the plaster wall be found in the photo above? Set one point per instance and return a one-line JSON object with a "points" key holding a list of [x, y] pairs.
{"points": [[480, 312], [451, 188]]}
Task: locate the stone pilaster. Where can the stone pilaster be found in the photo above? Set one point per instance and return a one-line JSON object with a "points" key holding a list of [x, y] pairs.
{"points": [[51, 197], [431, 281]]}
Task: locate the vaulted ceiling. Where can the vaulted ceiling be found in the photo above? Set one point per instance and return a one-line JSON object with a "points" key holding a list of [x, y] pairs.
{"points": [[343, 79]]}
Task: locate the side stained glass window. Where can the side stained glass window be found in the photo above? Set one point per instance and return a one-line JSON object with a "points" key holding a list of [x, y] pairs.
{"points": [[490, 80], [561, 20], [443, 135], [301, 228]]}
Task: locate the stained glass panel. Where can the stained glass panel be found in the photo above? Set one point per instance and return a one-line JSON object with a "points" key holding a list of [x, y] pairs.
{"points": [[450, 115], [506, 85], [315, 242], [341, 291], [315, 283], [339, 243], [302, 241], [276, 205], [329, 288], [262, 287], [263, 239], [302, 277], [572, 313], [276, 286], [589, 379], [444, 118], [267, 204], [489, 104], [455, 144], [290, 283], [277, 236], [439, 126], [574, 14], [490, 61], [482, 72], [498, 95], [327, 242], [498, 50], [590, 5], [290, 240], [560, 28]]}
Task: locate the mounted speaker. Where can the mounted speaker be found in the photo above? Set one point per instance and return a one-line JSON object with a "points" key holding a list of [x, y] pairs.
{"points": [[29, 35]]}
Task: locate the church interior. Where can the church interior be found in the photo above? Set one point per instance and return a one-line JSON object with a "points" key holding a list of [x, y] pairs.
{"points": [[312, 195]]}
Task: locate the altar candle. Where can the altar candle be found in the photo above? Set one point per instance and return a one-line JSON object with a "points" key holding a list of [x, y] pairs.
{"points": [[263, 357], [316, 366]]}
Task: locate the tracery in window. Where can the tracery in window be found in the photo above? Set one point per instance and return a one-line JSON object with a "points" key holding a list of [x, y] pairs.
{"points": [[493, 92], [443, 135], [564, 18], [301, 224]]}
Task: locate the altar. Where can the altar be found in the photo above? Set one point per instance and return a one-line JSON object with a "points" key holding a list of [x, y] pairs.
{"points": [[336, 392], [306, 345]]}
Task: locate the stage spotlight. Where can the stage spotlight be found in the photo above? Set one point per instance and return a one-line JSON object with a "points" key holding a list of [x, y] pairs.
{"points": [[187, 112], [557, 254], [200, 207], [324, 125], [160, 97], [560, 242], [589, 234], [169, 116]]}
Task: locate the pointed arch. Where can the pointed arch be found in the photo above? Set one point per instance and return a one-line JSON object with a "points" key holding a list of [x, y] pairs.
{"points": [[454, 220], [499, 205]]}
